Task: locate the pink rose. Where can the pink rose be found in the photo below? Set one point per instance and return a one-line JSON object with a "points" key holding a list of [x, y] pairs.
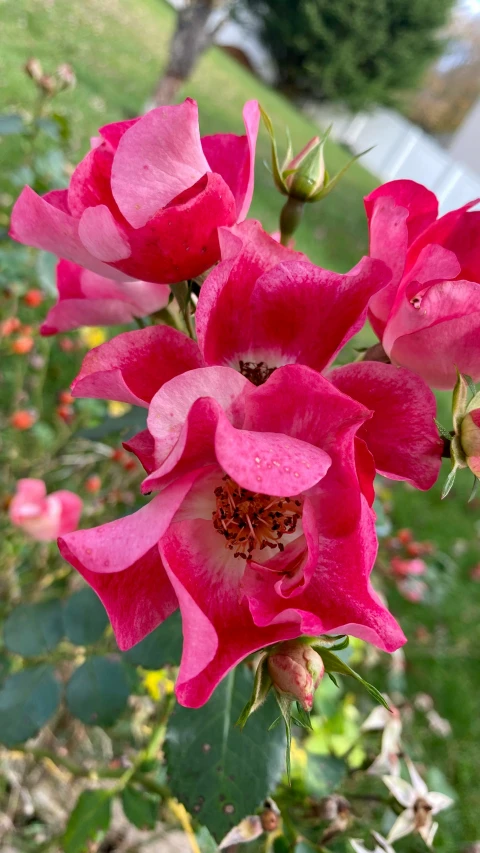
{"points": [[428, 317], [88, 299], [42, 516], [261, 529], [148, 198]]}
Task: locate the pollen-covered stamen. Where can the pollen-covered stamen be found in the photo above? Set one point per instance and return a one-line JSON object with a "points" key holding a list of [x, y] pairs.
{"points": [[249, 520], [256, 373]]}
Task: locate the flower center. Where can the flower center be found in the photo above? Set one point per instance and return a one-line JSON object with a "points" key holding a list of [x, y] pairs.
{"points": [[256, 373], [249, 520]]}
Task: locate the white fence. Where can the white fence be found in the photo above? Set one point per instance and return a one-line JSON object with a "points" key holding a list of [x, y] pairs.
{"points": [[402, 150]]}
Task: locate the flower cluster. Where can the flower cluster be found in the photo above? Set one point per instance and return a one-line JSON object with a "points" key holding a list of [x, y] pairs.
{"points": [[260, 455]]}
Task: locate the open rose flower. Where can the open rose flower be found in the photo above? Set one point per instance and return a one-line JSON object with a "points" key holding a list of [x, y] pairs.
{"points": [[44, 517], [88, 299], [147, 200], [428, 317], [261, 530]]}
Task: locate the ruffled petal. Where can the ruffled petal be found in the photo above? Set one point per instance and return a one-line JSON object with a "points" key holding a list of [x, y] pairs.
{"points": [[120, 561], [401, 435], [217, 627], [156, 159], [438, 334], [134, 365], [40, 223], [233, 157], [181, 240]]}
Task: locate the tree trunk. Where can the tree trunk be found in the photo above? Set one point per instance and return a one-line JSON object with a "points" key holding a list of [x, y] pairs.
{"points": [[190, 39]]}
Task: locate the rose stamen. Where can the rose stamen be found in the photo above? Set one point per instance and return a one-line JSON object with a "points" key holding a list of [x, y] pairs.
{"points": [[249, 520]]}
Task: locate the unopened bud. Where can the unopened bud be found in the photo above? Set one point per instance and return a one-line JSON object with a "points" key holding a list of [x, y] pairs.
{"points": [[470, 440], [305, 174], [34, 69], [66, 75], [297, 670]]}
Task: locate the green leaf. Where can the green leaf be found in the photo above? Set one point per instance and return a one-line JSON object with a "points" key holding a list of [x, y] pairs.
{"points": [[27, 700], [45, 268], [324, 774], [205, 840], [334, 664], [163, 646], [127, 425], [10, 124], [85, 617], [97, 692], [217, 771], [140, 807], [34, 629], [90, 816]]}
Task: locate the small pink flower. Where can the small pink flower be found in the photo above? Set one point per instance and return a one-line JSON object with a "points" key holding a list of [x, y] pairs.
{"points": [[44, 517], [261, 530], [427, 317], [146, 201], [88, 299]]}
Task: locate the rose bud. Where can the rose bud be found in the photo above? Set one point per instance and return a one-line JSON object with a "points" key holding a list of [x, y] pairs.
{"points": [[297, 670], [470, 440]]}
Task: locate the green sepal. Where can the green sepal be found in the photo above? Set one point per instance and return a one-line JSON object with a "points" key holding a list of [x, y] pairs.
{"points": [[328, 187], [285, 705], [470, 383], [474, 402], [335, 664], [302, 718], [459, 401], [335, 642], [449, 482], [261, 687], [276, 170], [473, 493], [443, 432]]}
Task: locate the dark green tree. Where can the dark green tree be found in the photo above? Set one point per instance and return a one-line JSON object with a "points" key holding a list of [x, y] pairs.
{"points": [[358, 52]]}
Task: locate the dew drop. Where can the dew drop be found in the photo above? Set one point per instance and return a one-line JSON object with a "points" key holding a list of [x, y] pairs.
{"points": [[296, 474], [259, 479], [229, 809], [257, 460], [286, 469]]}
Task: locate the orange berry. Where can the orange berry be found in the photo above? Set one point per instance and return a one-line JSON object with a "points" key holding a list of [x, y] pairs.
{"points": [[66, 398], [22, 345], [93, 484], [66, 413], [404, 535], [129, 464], [118, 455], [9, 326], [33, 298], [22, 419]]}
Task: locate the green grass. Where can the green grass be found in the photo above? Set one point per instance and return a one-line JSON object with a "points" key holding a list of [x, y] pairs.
{"points": [[117, 48]]}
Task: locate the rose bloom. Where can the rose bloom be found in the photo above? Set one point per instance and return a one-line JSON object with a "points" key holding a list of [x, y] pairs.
{"points": [[88, 299], [428, 317], [261, 528], [145, 203], [44, 517]]}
